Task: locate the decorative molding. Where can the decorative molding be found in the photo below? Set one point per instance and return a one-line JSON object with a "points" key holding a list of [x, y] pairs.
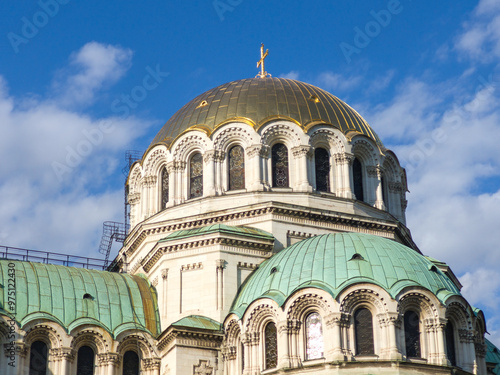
{"points": [[247, 266], [134, 198], [164, 273], [155, 281], [203, 368], [299, 151], [192, 267], [107, 359], [343, 158]]}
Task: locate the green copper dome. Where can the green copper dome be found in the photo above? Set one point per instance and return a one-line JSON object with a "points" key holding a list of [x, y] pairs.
{"points": [[333, 262], [256, 101], [73, 296]]}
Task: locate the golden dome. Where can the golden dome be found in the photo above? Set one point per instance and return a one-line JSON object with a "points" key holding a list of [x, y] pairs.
{"points": [[257, 101]]}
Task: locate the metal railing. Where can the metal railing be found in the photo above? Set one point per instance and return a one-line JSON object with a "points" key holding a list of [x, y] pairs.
{"points": [[15, 253]]}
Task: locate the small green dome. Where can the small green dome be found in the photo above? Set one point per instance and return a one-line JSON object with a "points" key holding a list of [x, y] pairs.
{"points": [[333, 262]]}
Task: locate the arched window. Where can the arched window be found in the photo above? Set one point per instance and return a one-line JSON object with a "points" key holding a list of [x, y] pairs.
{"points": [[196, 176], [164, 187], [130, 363], [450, 344], [85, 362], [357, 176], [363, 332], [38, 358], [385, 195], [236, 168], [271, 346], [314, 336], [322, 166], [279, 161], [412, 334]]}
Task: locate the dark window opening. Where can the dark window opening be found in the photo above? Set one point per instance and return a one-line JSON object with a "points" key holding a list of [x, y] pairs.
{"points": [[85, 362], [196, 176], [279, 161], [357, 175], [236, 168], [322, 168], [271, 346], [450, 344], [164, 187], [130, 363], [38, 358], [363, 332], [412, 334]]}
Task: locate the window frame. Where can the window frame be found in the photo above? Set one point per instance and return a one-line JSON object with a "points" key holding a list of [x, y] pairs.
{"points": [[273, 167], [190, 177]]}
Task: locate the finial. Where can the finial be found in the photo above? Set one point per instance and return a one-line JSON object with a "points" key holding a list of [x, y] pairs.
{"points": [[263, 73]]}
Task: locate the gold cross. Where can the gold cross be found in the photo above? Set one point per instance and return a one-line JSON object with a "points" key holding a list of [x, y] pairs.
{"points": [[263, 73]]}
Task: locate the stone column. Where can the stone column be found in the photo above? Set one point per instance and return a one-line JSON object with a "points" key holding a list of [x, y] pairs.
{"points": [[466, 338], [343, 162], [164, 303], [395, 193], [209, 173], [152, 194], [283, 345], [393, 324], [333, 338], [135, 214], [430, 332], [300, 154], [220, 180], [294, 330], [171, 184], [152, 365], [247, 353], [108, 363], [253, 179], [375, 174], [62, 358], [220, 264], [441, 350], [180, 194]]}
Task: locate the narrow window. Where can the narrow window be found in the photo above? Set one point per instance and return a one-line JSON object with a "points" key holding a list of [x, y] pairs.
{"points": [[236, 168], [279, 161], [242, 349], [314, 336], [85, 362], [412, 334], [196, 176], [130, 363], [322, 165], [384, 192], [363, 332], [357, 175], [164, 187], [38, 358], [271, 345], [450, 344]]}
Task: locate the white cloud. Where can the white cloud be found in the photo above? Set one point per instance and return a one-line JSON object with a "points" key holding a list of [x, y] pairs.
{"points": [[92, 67], [291, 75], [480, 38], [59, 164], [338, 82]]}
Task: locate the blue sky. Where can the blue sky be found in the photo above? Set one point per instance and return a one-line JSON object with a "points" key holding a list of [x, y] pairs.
{"points": [[425, 75]]}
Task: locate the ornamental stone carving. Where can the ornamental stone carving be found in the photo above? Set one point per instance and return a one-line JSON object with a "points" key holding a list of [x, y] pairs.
{"points": [[203, 368]]}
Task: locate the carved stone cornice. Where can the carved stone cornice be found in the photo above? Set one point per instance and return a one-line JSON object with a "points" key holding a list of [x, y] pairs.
{"points": [[105, 359], [179, 166], [149, 181], [247, 266], [134, 198], [395, 187], [192, 267], [343, 158], [299, 151], [253, 150], [374, 171], [164, 273], [209, 156], [151, 363], [191, 338], [58, 354]]}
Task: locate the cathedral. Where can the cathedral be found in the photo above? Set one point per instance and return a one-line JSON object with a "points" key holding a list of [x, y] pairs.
{"points": [[267, 235]]}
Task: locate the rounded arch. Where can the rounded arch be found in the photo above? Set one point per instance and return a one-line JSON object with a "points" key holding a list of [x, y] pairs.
{"points": [[259, 314], [366, 150], [232, 332], [156, 158], [232, 134], [305, 301], [92, 338], [326, 137], [372, 297], [135, 342], [421, 301], [45, 333], [281, 132], [188, 144]]}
